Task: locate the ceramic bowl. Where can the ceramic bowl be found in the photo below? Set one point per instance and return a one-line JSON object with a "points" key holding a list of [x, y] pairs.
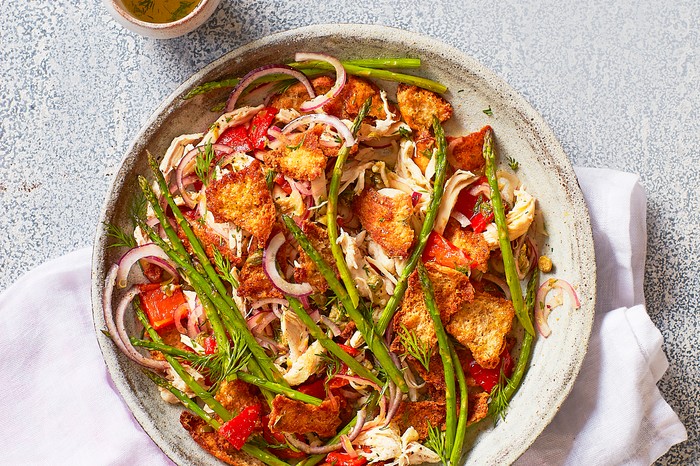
{"points": [[170, 30], [520, 133]]}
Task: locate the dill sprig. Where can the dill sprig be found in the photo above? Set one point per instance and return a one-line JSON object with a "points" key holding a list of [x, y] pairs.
{"points": [[499, 398], [513, 164], [225, 268], [415, 347], [203, 162], [436, 442], [333, 365], [122, 238]]}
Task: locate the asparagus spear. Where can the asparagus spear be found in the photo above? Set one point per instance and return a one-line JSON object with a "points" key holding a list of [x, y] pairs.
{"points": [[253, 451], [438, 189], [374, 342], [445, 355], [461, 431], [328, 343], [503, 238], [332, 212]]}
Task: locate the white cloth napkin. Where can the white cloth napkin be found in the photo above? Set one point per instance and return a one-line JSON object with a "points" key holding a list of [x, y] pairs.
{"points": [[60, 407]]}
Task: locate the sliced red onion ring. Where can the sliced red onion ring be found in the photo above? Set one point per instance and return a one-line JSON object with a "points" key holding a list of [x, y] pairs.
{"points": [[108, 313], [481, 189], [270, 268], [265, 71], [462, 219], [335, 330], [193, 321], [181, 311], [131, 352], [149, 252], [542, 309], [339, 126], [340, 78], [498, 281], [268, 301]]}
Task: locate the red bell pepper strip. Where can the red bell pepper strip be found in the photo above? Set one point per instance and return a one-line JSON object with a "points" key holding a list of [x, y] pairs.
{"points": [[236, 138], [282, 182], [209, 345], [159, 305], [477, 209], [439, 250], [488, 378], [337, 458], [259, 125], [238, 429]]}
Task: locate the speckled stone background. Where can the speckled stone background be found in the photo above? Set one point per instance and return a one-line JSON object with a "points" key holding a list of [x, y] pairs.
{"points": [[617, 81]]}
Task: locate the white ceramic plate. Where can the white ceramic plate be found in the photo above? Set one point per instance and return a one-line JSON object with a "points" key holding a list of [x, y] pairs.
{"points": [[520, 133]]}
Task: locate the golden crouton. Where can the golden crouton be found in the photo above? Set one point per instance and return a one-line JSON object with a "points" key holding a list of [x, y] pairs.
{"points": [[418, 106], [303, 158], [296, 417], [237, 395], [210, 240], [435, 375], [243, 199], [420, 415], [425, 143], [354, 94], [296, 94], [307, 271], [255, 284], [386, 219], [213, 443], [472, 243], [171, 337], [482, 325], [466, 152], [478, 407], [452, 291]]}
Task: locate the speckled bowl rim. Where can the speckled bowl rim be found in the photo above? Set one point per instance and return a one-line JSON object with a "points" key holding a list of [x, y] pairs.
{"points": [[526, 113], [124, 13]]}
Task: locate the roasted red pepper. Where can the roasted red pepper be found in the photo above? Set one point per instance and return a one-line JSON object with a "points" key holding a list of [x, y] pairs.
{"points": [[238, 429], [159, 305], [282, 182], [259, 126], [337, 458], [488, 378], [439, 250], [477, 208], [236, 138], [209, 345]]}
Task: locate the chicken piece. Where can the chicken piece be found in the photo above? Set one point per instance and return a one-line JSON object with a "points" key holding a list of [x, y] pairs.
{"points": [[452, 291], [420, 415], [255, 284], [210, 240], [303, 158], [418, 106], [386, 218], [295, 417], [518, 219], [243, 199], [467, 152], [472, 243], [237, 395], [214, 444], [482, 325], [307, 271]]}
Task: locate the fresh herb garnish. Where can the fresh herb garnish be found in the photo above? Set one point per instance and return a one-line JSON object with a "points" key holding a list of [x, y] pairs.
{"points": [[203, 163], [122, 239], [225, 268], [499, 399], [513, 164], [415, 347], [436, 442], [298, 145], [405, 132], [488, 111]]}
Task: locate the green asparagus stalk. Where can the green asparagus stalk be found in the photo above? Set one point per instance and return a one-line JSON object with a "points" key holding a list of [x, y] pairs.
{"points": [[445, 355], [461, 431], [328, 343], [374, 342], [374, 63], [332, 212], [428, 223], [253, 451], [503, 238]]}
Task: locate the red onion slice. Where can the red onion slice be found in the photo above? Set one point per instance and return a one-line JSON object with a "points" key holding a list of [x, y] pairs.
{"points": [[266, 71], [542, 309], [270, 268], [150, 252], [339, 126], [340, 78], [181, 311], [498, 281], [108, 313]]}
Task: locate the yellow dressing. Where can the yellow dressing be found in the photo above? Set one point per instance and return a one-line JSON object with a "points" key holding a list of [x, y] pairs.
{"points": [[160, 11]]}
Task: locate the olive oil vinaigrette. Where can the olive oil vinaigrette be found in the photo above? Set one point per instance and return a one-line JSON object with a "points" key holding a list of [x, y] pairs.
{"points": [[160, 11]]}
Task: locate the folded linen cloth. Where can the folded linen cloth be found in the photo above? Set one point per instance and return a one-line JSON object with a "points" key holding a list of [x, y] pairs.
{"points": [[62, 408]]}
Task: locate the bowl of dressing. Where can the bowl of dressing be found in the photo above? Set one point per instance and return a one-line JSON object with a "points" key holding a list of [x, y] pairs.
{"points": [[161, 19]]}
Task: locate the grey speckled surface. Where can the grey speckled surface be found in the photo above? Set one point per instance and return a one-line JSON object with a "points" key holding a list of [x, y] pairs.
{"points": [[617, 82]]}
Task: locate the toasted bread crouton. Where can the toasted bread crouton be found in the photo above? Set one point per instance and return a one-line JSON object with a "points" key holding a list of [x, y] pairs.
{"points": [[482, 326], [210, 240], [386, 218], [472, 243], [171, 337], [420, 415], [237, 395], [296, 94], [255, 284], [303, 158], [214, 444], [452, 291], [296, 417], [425, 143], [478, 407], [418, 106], [243, 199], [307, 271], [467, 152], [354, 94]]}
